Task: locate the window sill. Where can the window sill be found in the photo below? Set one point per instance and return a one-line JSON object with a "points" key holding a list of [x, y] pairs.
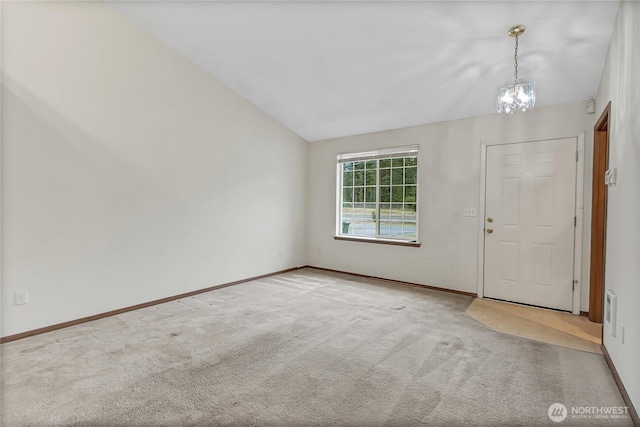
{"points": [[379, 241]]}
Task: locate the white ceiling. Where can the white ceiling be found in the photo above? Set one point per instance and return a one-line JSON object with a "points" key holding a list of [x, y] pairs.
{"points": [[331, 69]]}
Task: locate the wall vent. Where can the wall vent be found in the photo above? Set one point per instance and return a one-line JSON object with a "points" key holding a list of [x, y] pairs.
{"points": [[610, 311]]}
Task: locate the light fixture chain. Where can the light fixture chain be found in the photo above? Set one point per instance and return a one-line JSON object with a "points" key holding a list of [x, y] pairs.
{"points": [[518, 94], [515, 73]]}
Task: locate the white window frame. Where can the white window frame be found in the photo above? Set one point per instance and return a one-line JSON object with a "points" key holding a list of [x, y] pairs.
{"points": [[379, 154]]}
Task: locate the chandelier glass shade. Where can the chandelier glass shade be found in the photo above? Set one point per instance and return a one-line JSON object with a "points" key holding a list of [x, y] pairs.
{"points": [[518, 94]]}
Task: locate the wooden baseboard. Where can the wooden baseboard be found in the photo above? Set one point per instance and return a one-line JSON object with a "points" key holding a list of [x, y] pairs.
{"points": [[584, 313], [632, 411], [469, 294], [62, 325]]}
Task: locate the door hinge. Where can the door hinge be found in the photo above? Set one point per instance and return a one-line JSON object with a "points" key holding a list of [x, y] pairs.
{"points": [[575, 221], [576, 156], [574, 284]]}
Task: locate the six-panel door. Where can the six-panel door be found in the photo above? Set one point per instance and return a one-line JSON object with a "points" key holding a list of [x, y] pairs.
{"points": [[529, 222]]}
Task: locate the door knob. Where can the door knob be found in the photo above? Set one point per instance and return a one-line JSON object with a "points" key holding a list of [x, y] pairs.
{"points": [[489, 230], [489, 219]]}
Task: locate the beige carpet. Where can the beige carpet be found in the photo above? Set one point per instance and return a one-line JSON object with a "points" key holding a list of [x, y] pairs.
{"points": [[303, 348]]}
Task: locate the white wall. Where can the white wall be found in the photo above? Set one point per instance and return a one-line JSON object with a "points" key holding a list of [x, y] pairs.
{"points": [[619, 85], [129, 174], [449, 181]]}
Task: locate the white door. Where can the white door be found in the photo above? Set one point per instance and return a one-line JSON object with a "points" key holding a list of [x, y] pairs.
{"points": [[529, 222]]}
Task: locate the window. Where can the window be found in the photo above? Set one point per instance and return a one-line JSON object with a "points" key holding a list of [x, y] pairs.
{"points": [[379, 194]]}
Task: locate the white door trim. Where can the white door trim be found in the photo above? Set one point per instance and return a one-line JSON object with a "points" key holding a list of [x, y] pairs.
{"points": [[577, 245], [579, 209]]}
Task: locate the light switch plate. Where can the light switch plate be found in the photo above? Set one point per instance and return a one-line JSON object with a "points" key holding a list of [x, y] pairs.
{"points": [[610, 176]]}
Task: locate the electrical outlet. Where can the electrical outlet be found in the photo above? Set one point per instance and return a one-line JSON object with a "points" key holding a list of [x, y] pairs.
{"points": [[22, 297], [428, 263], [469, 211]]}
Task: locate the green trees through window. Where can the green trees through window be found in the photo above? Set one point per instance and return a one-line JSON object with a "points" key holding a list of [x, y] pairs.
{"points": [[379, 197]]}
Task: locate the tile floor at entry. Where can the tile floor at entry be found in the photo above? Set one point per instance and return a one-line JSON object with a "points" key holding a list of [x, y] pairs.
{"points": [[538, 324]]}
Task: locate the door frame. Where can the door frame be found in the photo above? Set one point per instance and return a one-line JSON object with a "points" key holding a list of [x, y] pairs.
{"points": [[579, 211], [599, 216]]}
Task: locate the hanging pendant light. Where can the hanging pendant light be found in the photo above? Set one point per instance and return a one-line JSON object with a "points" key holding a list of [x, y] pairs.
{"points": [[518, 94]]}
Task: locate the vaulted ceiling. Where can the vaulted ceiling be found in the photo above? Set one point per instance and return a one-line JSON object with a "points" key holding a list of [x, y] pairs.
{"points": [[331, 69]]}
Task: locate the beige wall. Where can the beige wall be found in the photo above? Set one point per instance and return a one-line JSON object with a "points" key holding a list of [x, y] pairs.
{"points": [[619, 84], [449, 181], [129, 174]]}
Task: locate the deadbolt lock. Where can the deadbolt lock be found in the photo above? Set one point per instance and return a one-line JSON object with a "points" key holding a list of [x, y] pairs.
{"points": [[489, 230], [489, 219]]}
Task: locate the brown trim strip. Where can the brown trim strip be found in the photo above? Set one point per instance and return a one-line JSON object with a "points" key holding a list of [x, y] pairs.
{"points": [[400, 282], [62, 325], [584, 313], [379, 241], [623, 391], [599, 195]]}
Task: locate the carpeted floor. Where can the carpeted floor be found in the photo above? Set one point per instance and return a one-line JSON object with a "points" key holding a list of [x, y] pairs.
{"points": [[303, 348]]}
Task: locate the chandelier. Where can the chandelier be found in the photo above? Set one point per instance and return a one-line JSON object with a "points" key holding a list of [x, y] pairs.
{"points": [[517, 94]]}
